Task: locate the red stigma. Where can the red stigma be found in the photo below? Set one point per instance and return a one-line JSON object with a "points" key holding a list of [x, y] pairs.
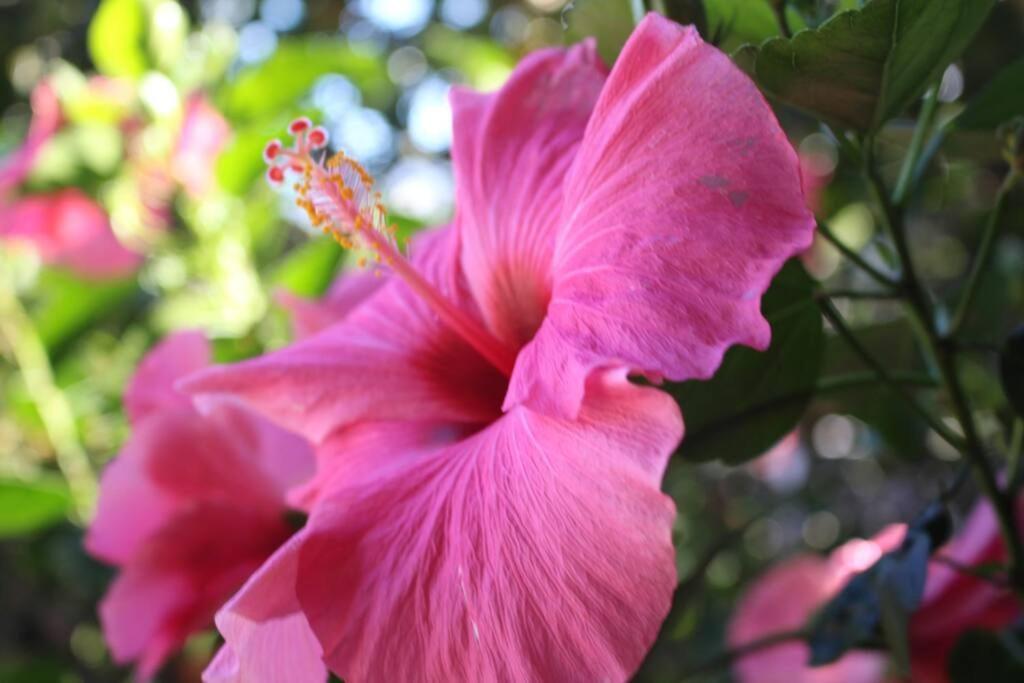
{"points": [[275, 175], [299, 125], [271, 151], [317, 137]]}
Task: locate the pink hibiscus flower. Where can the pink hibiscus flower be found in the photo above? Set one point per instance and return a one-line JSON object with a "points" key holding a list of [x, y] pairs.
{"points": [[204, 132], [46, 120], [68, 229], [189, 509], [65, 227], [487, 503], [786, 596]]}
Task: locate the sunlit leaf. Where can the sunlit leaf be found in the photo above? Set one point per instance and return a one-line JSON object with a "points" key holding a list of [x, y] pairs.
{"points": [[756, 398], [485, 63], [737, 22], [117, 36], [862, 67], [26, 507], [608, 21], [309, 269], [276, 84]]}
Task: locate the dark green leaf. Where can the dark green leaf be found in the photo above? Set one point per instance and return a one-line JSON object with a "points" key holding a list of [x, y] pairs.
{"points": [[999, 101], [756, 398], [26, 506], [273, 86], [1011, 369], [736, 22], [987, 656], [862, 67], [117, 37], [688, 12]]}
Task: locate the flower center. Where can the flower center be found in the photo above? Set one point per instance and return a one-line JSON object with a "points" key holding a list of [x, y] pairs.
{"points": [[337, 194]]}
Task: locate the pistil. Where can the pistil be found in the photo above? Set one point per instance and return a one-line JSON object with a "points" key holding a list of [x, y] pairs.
{"points": [[337, 195]]}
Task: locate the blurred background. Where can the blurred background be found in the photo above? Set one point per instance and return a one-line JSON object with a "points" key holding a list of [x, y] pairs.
{"points": [[141, 170]]}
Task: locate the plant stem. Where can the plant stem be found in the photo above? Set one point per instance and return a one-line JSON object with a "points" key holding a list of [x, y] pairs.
{"points": [[840, 326], [984, 255], [924, 124], [856, 259], [53, 407], [930, 150], [1013, 453], [725, 659], [855, 294], [854, 380], [943, 351], [779, 7]]}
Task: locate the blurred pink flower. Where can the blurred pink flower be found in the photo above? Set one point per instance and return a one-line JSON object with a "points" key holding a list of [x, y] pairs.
{"points": [[786, 596], [204, 132], [46, 120], [67, 228], [487, 504], [816, 170], [189, 509]]}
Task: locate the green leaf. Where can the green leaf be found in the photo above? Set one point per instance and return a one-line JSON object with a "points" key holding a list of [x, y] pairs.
{"points": [[274, 85], [987, 656], [117, 38], [60, 315], [309, 269], [737, 22], [26, 506], [999, 101], [688, 12], [756, 398], [485, 63], [608, 21], [862, 67], [1011, 369], [241, 162]]}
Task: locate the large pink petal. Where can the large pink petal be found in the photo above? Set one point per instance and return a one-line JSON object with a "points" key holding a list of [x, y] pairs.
{"points": [[181, 576], [391, 358], [511, 151], [131, 507], [782, 599], [178, 457], [538, 549], [151, 388], [682, 203], [69, 229], [368, 450], [267, 637]]}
